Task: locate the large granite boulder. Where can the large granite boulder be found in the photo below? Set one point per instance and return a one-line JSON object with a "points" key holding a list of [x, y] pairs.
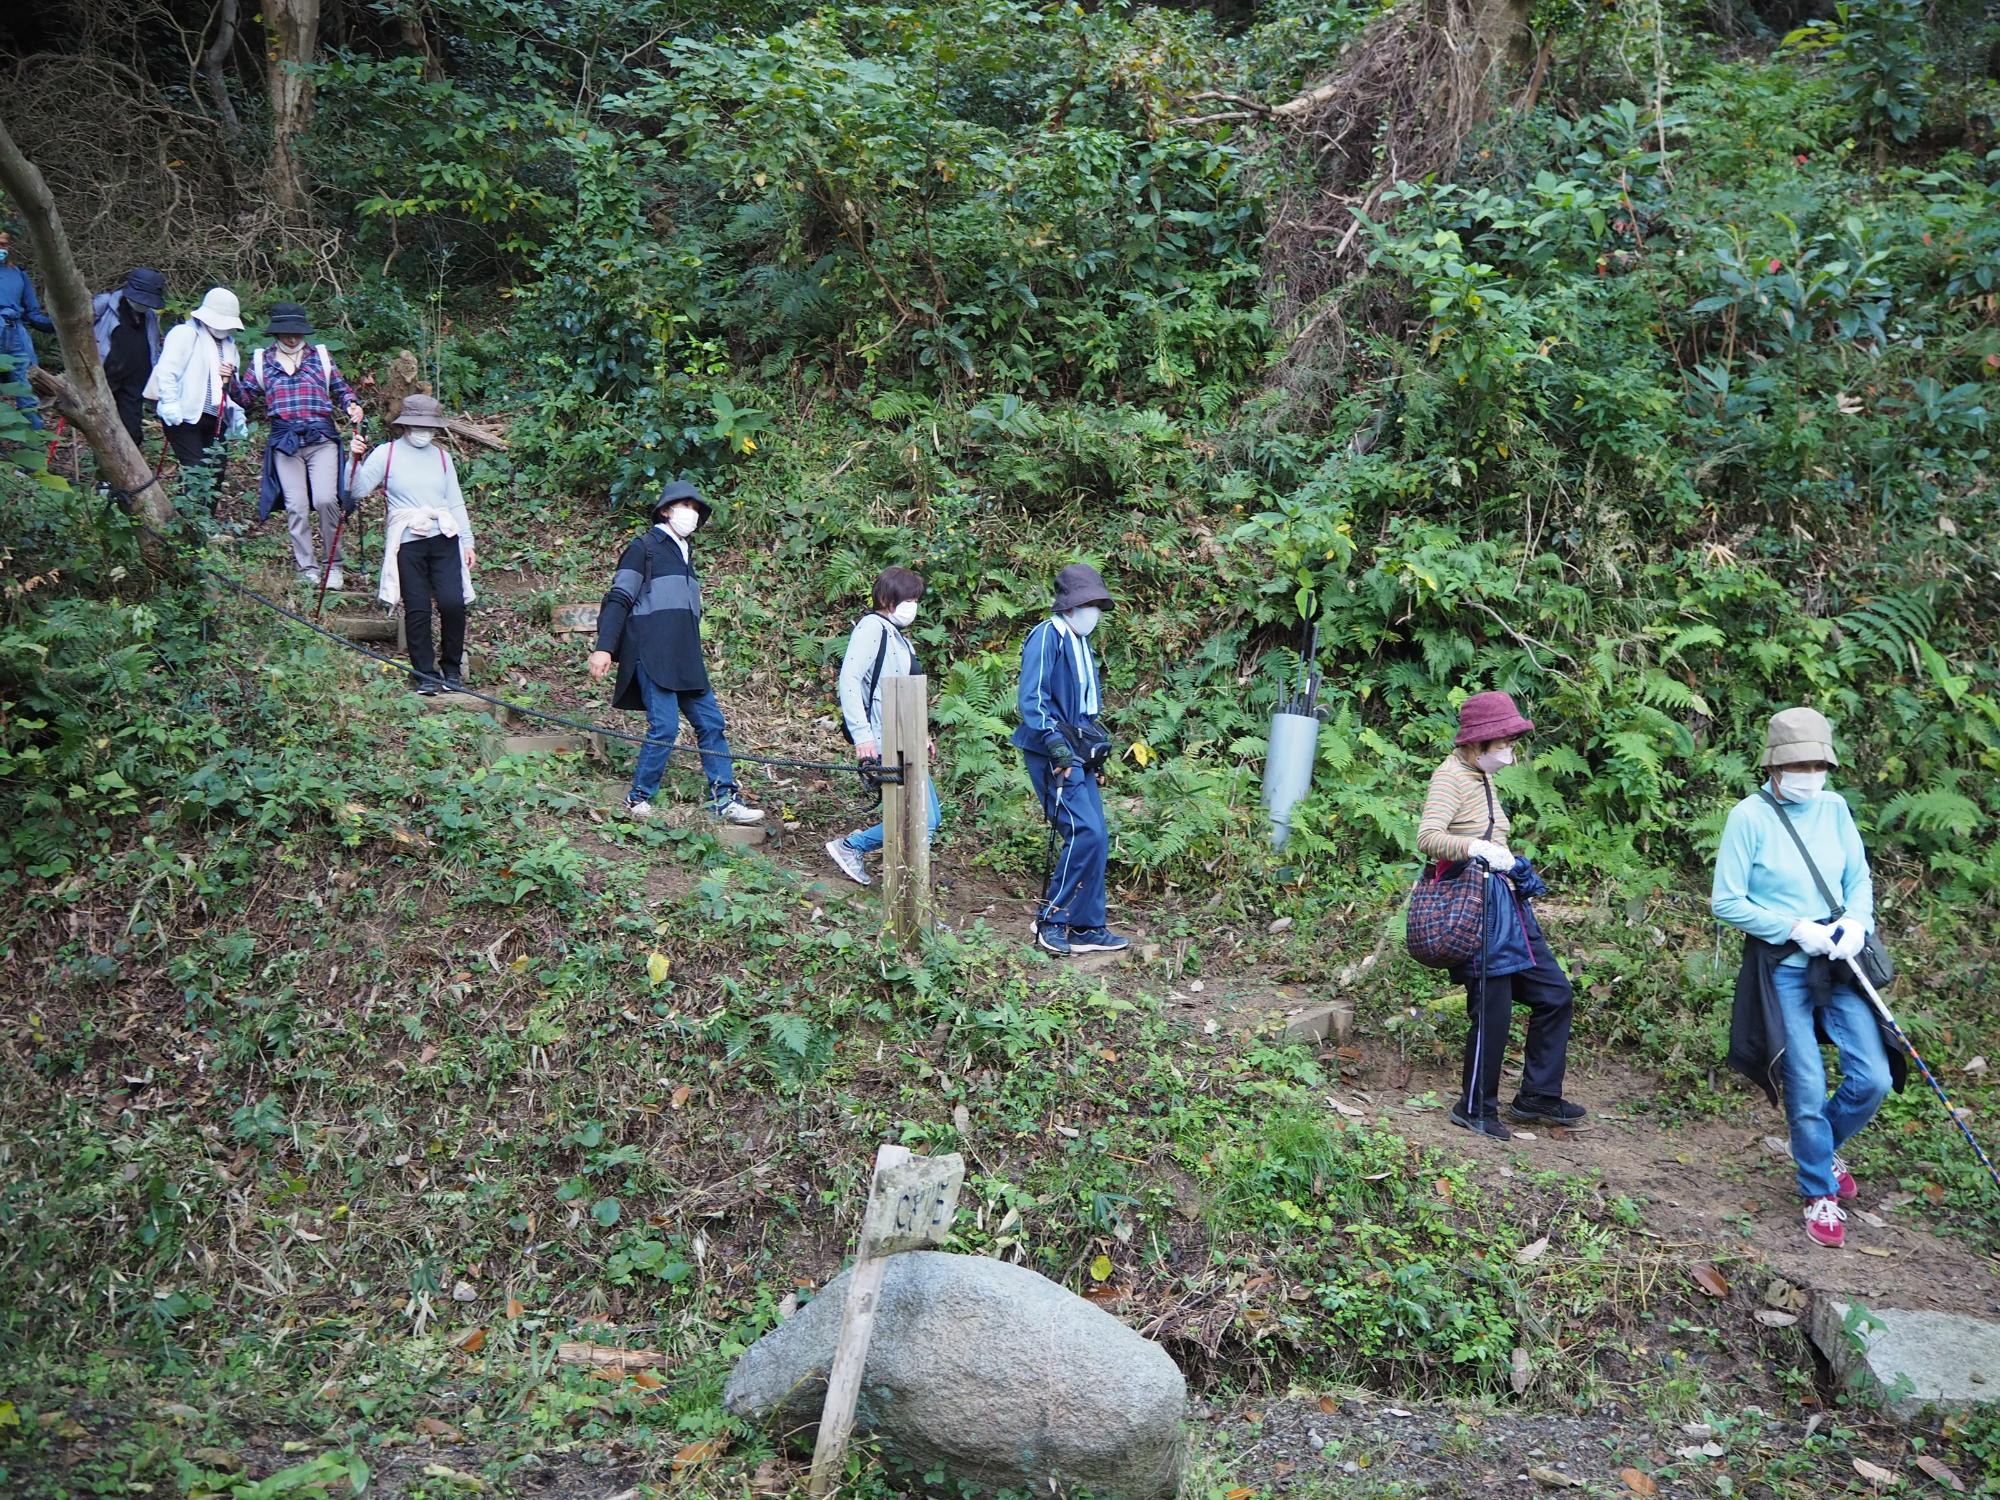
{"points": [[993, 1372]]}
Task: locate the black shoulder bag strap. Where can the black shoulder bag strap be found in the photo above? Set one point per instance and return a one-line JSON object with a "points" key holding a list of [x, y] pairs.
{"points": [[1837, 908]]}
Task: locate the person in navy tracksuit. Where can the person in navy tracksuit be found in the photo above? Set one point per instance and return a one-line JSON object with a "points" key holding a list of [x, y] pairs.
{"points": [[1060, 699]]}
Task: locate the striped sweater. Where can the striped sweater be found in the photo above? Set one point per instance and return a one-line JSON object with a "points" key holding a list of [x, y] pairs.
{"points": [[1456, 809]]}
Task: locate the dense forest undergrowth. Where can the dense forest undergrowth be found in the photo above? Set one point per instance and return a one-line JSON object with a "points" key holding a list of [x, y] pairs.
{"points": [[354, 1068]]}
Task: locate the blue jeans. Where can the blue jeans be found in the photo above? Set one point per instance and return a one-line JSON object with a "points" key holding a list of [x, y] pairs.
{"points": [[664, 708], [1075, 895], [1819, 1125], [868, 840]]}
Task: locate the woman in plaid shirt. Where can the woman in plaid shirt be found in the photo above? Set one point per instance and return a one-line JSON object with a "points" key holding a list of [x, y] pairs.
{"points": [[302, 461]]}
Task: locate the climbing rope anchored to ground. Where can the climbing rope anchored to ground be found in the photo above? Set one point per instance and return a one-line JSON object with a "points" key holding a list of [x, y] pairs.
{"points": [[869, 776]]}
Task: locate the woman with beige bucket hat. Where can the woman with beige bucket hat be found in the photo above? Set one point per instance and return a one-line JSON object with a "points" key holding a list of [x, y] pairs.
{"points": [[1786, 849]]}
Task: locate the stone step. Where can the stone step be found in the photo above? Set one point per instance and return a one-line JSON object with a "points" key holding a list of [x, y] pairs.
{"points": [[1911, 1360], [555, 743]]}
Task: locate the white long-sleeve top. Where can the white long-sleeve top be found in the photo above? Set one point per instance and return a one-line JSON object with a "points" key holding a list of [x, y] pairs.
{"points": [[423, 499], [187, 377], [860, 700]]}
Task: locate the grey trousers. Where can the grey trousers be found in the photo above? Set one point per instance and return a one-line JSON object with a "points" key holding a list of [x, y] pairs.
{"points": [[293, 471]]}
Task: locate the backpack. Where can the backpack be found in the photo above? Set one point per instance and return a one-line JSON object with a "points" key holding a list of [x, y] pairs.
{"points": [[874, 677], [325, 368]]}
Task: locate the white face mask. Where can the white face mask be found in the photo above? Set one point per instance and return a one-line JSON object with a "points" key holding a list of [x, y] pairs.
{"points": [[1799, 786], [682, 520], [1495, 760], [1083, 619], [903, 613], [421, 437]]}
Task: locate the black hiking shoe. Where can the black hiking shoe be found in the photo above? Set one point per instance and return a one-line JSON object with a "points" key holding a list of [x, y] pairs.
{"points": [[1485, 1125], [453, 683], [1051, 938], [425, 687], [1546, 1112]]}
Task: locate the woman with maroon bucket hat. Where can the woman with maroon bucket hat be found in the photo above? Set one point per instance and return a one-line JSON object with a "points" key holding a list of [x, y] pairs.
{"points": [[1463, 820]]}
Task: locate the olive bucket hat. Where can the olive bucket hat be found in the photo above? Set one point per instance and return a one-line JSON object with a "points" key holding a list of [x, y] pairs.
{"points": [[1798, 735], [420, 411]]}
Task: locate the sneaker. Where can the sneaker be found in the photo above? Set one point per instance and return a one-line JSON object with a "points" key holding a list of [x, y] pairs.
{"points": [[1096, 940], [638, 807], [1051, 939], [849, 859], [1824, 1217], [1848, 1188], [1485, 1125], [425, 687], [1549, 1112], [736, 810], [453, 683], [336, 581]]}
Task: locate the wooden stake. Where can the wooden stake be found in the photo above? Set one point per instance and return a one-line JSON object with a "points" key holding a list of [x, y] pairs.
{"points": [[906, 847], [910, 1207]]}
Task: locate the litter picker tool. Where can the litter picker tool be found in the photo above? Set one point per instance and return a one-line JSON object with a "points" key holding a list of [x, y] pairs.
{"points": [[1882, 1010]]}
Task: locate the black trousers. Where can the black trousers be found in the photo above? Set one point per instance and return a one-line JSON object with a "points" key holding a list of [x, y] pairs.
{"points": [[429, 570], [1489, 1010], [132, 412], [195, 446]]}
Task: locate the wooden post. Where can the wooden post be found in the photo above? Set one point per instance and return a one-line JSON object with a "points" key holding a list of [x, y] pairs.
{"points": [[911, 1202], [906, 846]]}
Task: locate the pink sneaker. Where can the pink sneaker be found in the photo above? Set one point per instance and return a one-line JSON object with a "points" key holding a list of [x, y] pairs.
{"points": [[1844, 1180], [1824, 1217]]}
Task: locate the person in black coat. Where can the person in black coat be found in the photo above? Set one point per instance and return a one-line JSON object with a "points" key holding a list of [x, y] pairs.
{"points": [[650, 624]]}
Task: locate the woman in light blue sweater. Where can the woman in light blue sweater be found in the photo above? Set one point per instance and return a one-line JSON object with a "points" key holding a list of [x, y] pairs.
{"points": [[877, 650], [1800, 932]]}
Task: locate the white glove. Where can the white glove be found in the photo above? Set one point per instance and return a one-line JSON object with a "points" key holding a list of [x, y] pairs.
{"points": [[1497, 856], [1813, 937], [1847, 940]]}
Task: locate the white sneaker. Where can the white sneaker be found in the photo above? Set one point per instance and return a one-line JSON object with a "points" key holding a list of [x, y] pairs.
{"points": [[849, 860], [335, 582], [639, 809], [739, 812]]}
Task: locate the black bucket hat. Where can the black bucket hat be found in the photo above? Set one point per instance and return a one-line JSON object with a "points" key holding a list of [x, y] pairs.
{"points": [[1080, 584], [146, 287], [673, 493], [289, 317]]}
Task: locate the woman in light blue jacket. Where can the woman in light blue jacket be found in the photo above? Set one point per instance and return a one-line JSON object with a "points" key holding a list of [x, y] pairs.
{"points": [[877, 650], [1791, 874]]}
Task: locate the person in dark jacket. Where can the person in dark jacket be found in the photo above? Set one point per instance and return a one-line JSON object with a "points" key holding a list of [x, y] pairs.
{"points": [[650, 624], [1462, 819], [127, 324], [1785, 850], [1063, 745], [20, 310]]}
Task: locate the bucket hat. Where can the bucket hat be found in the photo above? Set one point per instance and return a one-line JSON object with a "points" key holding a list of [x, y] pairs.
{"points": [[146, 287], [220, 310], [289, 317], [420, 411], [1490, 716], [1797, 735], [673, 493], [1080, 584]]}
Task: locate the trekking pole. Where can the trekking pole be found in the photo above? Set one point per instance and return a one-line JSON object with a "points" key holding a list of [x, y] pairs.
{"points": [[327, 572], [1882, 1010]]}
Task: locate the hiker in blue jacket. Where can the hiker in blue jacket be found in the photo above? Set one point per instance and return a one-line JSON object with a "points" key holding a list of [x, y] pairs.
{"points": [[1063, 745], [20, 310]]}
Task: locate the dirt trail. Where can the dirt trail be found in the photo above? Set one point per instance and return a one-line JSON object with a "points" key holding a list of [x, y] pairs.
{"points": [[1715, 1187]]}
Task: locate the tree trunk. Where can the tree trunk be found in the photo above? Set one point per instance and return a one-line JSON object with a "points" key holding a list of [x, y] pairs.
{"points": [[82, 395], [213, 61], [293, 30], [1504, 32]]}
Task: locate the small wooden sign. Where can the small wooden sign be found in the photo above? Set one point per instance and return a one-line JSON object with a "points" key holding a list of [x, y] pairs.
{"points": [[911, 1201], [573, 619]]}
